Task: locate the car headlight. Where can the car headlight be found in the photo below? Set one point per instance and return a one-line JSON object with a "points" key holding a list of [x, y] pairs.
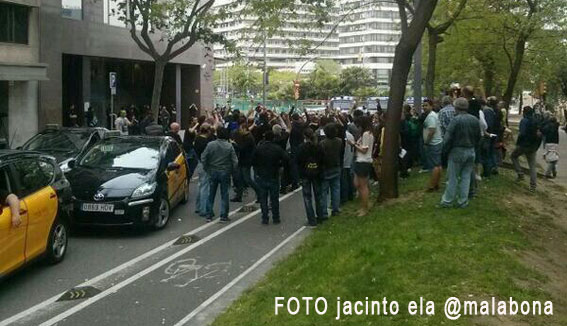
{"points": [[64, 166], [144, 190]]}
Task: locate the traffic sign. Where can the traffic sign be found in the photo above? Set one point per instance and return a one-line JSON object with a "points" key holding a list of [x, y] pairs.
{"points": [[112, 82]]}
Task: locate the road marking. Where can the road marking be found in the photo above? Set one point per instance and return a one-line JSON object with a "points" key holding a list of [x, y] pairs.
{"points": [[42, 305], [227, 287], [152, 268]]}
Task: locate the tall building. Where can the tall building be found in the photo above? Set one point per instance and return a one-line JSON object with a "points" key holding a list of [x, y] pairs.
{"points": [[21, 70], [366, 36], [60, 54], [279, 55], [83, 41]]}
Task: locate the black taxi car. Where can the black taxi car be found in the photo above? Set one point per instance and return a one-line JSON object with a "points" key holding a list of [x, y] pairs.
{"points": [[45, 197], [129, 180], [64, 143]]}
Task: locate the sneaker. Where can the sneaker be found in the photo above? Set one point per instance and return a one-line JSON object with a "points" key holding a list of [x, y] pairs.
{"points": [[265, 222], [423, 171], [276, 222], [465, 205], [310, 226], [478, 177], [520, 178], [532, 189], [224, 220], [209, 219], [335, 213]]}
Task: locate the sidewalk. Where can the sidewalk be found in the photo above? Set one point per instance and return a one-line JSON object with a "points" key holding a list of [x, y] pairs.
{"points": [[561, 167]]}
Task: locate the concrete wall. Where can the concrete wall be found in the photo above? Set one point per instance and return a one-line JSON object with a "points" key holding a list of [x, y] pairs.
{"points": [[22, 114], [24, 53], [91, 37]]}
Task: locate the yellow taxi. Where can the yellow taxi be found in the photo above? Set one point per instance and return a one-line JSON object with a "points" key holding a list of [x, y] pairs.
{"points": [[34, 184]]}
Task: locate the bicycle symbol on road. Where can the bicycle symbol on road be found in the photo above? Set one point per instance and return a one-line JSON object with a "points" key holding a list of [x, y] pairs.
{"points": [[186, 271]]}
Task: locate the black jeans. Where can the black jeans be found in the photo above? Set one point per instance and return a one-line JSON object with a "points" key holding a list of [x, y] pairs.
{"points": [[311, 189], [245, 180], [347, 185], [268, 187]]}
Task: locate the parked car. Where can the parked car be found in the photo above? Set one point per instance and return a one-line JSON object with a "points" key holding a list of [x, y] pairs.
{"points": [[129, 180], [64, 143], [45, 199]]}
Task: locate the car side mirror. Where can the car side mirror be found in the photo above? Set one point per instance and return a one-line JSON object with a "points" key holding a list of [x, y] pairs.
{"points": [[71, 164], [173, 166]]}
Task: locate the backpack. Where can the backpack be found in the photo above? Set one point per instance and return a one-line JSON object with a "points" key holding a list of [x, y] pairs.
{"points": [[491, 120], [312, 166]]}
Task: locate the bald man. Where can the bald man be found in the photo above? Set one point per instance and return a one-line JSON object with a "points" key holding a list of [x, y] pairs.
{"points": [[174, 132]]}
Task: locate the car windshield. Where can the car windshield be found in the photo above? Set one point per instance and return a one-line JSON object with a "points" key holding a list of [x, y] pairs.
{"points": [[59, 141], [118, 153]]}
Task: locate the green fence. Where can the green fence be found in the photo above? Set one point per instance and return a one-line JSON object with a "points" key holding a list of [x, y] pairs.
{"points": [[243, 105]]}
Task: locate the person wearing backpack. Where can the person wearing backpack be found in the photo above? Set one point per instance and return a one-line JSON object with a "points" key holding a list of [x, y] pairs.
{"points": [[309, 162]]}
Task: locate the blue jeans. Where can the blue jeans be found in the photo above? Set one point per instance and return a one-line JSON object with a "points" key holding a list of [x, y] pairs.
{"points": [[202, 197], [460, 169], [311, 189], [268, 187], [192, 162], [487, 157], [331, 182], [217, 178]]}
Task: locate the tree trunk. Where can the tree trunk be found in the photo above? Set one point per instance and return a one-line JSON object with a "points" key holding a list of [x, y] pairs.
{"points": [[431, 64], [158, 84], [489, 81], [402, 64], [516, 67]]}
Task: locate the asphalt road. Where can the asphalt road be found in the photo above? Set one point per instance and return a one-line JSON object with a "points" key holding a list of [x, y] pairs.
{"points": [[146, 279]]}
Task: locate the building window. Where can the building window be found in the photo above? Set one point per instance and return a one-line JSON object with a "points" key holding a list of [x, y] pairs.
{"points": [[14, 23], [72, 9]]}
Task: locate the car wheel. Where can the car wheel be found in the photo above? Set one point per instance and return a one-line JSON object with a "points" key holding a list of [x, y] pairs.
{"points": [[162, 214], [58, 238], [185, 193]]}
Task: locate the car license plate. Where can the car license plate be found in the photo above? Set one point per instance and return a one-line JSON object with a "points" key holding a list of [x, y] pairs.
{"points": [[92, 207]]}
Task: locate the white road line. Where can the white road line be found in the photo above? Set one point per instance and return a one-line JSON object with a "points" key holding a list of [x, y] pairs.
{"points": [[151, 268], [107, 274], [227, 287]]}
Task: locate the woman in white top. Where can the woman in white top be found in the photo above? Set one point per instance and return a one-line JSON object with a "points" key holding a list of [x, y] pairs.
{"points": [[363, 163]]}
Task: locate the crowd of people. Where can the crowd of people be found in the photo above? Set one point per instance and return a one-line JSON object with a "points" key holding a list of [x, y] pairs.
{"points": [[329, 155], [336, 155]]}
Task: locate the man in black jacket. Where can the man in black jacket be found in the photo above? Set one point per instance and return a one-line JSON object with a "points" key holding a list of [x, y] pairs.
{"points": [[267, 160], [246, 146], [529, 140], [331, 148], [310, 163]]}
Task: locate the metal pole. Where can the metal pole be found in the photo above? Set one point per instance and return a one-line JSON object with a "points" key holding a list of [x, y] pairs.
{"points": [[417, 76]]}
